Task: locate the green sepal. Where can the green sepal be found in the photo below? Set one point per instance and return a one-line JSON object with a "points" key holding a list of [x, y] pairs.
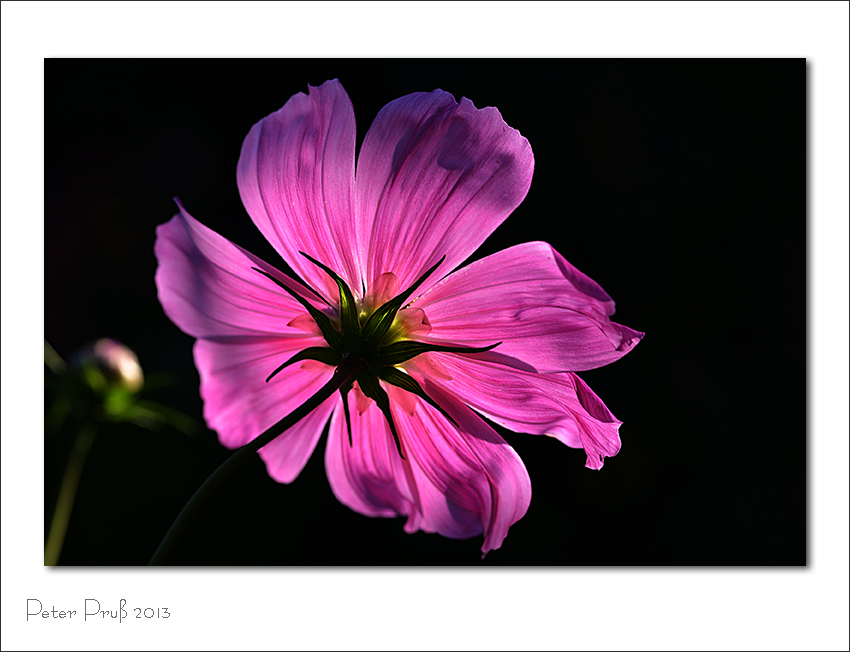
{"points": [[378, 324], [347, 304], [329, 332], [343, 391], [370, 386], [403, 351], [317, 353], [406, 382]]}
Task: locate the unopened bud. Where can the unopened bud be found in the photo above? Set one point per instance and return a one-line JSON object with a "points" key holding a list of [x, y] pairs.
{"points": [[118, 364]]}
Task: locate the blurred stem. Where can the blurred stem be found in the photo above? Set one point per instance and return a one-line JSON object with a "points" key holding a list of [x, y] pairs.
{"points": [[53, 360], [56, 416], [68, 492], [339, 378]]}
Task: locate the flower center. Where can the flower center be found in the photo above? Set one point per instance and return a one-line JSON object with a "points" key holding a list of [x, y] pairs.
{"points": [[375, 336]]}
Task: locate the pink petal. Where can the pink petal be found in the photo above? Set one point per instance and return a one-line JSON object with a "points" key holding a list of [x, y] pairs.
{"points": [[286, 455], [296, 179], [468, 479], [598, 438], [245, 322], [546, 314], [560, 405], [435, 177], [207, 287], [240, 405], [456, 483], [367, 475]]}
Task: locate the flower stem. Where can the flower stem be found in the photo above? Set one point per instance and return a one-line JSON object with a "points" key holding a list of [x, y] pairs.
{"points": [[67, 493], [53, 360], [339, 378]]}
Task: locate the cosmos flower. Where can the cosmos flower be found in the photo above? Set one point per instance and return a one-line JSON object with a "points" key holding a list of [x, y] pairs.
{"points": [[374, 250]]}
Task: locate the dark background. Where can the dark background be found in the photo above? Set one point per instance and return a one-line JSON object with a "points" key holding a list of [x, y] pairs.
{"points": [[678, 185]]}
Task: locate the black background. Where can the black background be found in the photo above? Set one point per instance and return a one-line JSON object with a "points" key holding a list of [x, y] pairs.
{"points": [[678, 185]]}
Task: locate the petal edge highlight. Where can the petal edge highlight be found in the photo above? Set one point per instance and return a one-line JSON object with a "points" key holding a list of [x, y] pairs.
{"points": [[559, 405], [454, 174], [548, 315], [296, 179]]}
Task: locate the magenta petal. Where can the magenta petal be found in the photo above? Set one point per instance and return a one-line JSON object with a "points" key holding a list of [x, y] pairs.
{"points": [[366, 475], [598, 438], [238, 403], [546, 314], [287, 454], [560, 405], [435, 177], [207, 287], [468, 479], [456, 483], [296, 179]]}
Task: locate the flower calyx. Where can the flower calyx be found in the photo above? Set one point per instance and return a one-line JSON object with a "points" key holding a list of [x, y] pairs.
{"points": [[370, 344]]}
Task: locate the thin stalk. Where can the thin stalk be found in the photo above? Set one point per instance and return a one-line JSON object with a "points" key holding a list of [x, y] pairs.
{"points": [[341, 375], [53, 360], [68, 492]]}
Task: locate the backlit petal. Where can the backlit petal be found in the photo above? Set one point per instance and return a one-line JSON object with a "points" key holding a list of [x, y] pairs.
{"points": [[296, 179], [549, 316], [458, 483], [366, 475], [560, 405], [238, 403], [468, 479], [207, 287], [435, 177], [287, 454]]}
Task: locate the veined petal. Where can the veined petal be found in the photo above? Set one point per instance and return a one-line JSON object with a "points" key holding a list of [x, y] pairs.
{"points": [[547, 314], [238, 403], [435, 177], [207, 287], [366, 475], [560, 405], [598, 438], [468, 479], [458, 483], [296, 179], [287, 454]]}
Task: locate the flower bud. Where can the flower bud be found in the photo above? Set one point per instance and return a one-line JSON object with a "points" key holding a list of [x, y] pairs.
{"points": [[118, 365]]}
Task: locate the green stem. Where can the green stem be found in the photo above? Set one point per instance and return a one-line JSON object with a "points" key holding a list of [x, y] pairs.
{"points": [[67, 493], [53, 360], [341, 375]]}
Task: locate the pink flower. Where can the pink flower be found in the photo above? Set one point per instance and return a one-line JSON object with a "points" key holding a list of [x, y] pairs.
{"points": [[434, 178]]}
